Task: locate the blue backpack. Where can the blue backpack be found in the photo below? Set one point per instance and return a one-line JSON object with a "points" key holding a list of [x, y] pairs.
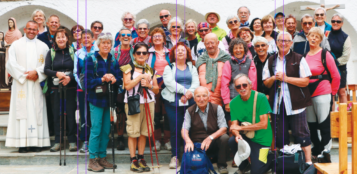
{"points": [[196, 162]]}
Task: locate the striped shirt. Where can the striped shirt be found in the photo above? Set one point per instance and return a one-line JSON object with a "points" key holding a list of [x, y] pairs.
{"points": [[281, 67]]}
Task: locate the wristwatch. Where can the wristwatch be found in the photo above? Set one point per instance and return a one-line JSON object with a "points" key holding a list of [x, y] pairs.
{"points": [[211, 137]]}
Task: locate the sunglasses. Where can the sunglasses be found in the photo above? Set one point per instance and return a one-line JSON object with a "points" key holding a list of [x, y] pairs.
{"points": [[143, 29], [336, 21], [283, 41], [258, 46], [138, 53], [76, 31], [203, 30], [305, 23], [108, 34], [235, 22], [123, 35], [175, 27], [128, 19], [245, 85], [164, 16], [98, 28], [321, 14]]}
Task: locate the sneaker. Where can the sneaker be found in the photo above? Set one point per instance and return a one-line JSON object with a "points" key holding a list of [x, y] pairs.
{"points": [[168, 145], [142, 164], [72, 147], [55, 148], [84, 147], [105, 164], [94, 166], [173, 163], [135, 167], [222, 170], [327, 156], [158, 146]]}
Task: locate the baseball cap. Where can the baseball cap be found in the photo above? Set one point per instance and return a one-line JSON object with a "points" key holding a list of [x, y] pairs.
{"points": [[279, 13], [243, 152]]}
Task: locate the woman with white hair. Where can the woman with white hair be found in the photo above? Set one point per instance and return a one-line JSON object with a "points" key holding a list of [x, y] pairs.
{"points": [[128, 20], [325, 80], [261, 46], [142, 28], [233, 24], [98, 74], [175, 27], [39, 16], [191, 31]]}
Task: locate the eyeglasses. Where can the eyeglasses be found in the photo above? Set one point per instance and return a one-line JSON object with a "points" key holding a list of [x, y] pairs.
{"points": [[107, 34], [321, 14], [203, 30], [128, 19], [336, 21], [290, 23], [123, 35], [138, 53], [258, 46], [283, 41], [143, 29], [76, 31], [164, 16], [306, 23], [98, 28], [157, 36], [278, 18], [235, 22], [30, 29], [245, 85], [175, 27]]}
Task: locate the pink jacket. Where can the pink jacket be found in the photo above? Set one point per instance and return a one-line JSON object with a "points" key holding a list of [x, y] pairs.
{"points": [[227, 76]]}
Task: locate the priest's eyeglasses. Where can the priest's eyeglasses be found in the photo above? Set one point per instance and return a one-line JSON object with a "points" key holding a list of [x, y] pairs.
{"points": [[31, 29]]}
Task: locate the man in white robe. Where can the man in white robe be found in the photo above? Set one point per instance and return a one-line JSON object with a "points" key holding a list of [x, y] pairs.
{"points": [[27, 126]]}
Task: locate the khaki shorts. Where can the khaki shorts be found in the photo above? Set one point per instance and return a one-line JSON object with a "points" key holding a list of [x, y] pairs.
{"points": [[136, 124]]}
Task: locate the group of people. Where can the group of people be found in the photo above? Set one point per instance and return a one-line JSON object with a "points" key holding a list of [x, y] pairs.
{"points": [[199, 83]]}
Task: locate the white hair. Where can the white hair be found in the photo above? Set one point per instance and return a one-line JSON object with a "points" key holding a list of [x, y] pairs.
{"points": [[318, 31], [231, 17], [143, 21], [285, 33], [191, 21], [320, 8], [243, 7], [240, 75], [260, 39], [179, 21], [38, 10], [203, 88], [103, 38], [126, 13], [307, 16], [339, 15]]}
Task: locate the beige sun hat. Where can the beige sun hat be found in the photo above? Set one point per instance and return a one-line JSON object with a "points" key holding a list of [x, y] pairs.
{"points": [[219, 17]]}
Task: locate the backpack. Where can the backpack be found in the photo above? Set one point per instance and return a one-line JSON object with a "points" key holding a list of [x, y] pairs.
{"points": [[53, 54], [196, 162]]}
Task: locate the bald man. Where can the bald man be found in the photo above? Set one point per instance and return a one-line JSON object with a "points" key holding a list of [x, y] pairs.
{"points": [[213, 137], [210, 66]]}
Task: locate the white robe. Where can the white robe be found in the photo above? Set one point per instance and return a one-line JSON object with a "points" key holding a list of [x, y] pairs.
{"points": [[33, 129]]}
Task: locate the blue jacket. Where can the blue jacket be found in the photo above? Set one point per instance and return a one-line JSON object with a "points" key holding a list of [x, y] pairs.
{"points": [[301, 44], [44, 37], [92, 80], [134, 35], [79, 58], [328, 27]]}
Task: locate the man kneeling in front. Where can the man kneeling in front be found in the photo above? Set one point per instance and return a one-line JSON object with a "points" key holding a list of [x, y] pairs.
{"points": [[205, 123], [242, 112]]}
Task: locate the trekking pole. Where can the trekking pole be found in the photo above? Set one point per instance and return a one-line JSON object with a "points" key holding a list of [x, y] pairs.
{"points": [[148, 120], [77, 122], [60, 113], [64, 121], [112, 110]]}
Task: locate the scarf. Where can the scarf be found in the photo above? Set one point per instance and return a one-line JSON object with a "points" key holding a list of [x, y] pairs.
{"points": [[146, 66], [14, 35], [211, 66]]}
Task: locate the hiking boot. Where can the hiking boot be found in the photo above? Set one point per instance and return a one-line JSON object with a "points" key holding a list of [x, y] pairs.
{"points": [[121, 144], [168, 145], [72, 147], [158, 146], [142, 164], [104, 163], [94, 166], [84, 147], [55, 148], [172, 164], [23, 150], [222, 170], [135, 166], [35, 149], [234, 164]]}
